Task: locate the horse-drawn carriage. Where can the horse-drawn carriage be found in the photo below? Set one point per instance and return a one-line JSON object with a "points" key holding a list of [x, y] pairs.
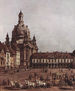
{"points": [[28, 84]]}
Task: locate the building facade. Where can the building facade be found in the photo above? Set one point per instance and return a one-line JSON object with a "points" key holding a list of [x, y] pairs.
{"points": [[21, 40], [2, 56], [17, 51], [52, 60]]}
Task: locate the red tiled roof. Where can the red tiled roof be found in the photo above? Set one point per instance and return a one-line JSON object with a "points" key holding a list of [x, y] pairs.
{"points": [[52, 55]]}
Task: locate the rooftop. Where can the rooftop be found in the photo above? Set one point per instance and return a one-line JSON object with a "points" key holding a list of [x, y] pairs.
{"points": [[52, 55]]}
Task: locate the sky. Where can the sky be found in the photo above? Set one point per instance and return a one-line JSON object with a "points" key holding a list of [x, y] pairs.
{"points": [[52, 22]]}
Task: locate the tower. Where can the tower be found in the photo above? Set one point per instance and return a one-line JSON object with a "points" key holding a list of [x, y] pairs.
{"points": [[7, 40], [34, 40], [20, 18]]}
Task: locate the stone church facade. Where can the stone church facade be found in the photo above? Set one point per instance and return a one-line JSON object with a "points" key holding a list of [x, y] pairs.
{"points": [[21, 43]]}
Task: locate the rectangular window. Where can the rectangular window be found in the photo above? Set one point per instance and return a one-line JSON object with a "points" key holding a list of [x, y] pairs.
{"points": [[59, 60], [56, 60], [50, 60], [69, 60], [44, 60], [41, 60], [47, 60], [62, 60], [33, 60], [66, 60], [53, 60], [38, 60]]}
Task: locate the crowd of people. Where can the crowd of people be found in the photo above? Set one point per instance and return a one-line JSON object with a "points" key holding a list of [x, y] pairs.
{"points": [[44, 78]]}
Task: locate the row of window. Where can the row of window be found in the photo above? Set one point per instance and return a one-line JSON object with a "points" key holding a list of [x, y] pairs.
{"points": [[52, 60]]}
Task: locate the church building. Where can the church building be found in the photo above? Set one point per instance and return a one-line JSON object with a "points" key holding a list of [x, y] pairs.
{"points": [[21, 43]]}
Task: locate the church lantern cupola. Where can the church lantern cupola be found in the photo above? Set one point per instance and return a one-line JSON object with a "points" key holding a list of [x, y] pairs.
{"points": [[20, 16]]}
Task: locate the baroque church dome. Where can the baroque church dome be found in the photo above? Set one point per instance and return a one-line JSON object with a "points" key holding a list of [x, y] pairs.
{"points": [[21, 30]]}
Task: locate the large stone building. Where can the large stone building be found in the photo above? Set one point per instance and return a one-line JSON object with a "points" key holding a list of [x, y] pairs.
{"points": [[21, 40], [21, 51], [53, 60], [21, 47], [7, 55]]}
